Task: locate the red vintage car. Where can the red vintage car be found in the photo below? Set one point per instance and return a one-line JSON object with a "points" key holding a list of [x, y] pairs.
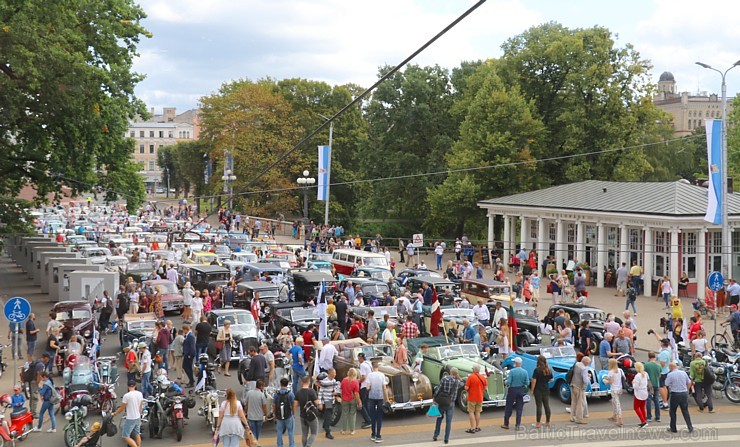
{"points": [[172, 300]]}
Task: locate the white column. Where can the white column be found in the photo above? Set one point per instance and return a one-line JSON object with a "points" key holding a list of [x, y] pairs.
{"points": [[490, 234], [624, 235], [524, 233], [541, 244], [674, 267], [701, 262], [601, 254], [647, 264], [559, 245], [507, 240], [512, 235], [581, 241]]}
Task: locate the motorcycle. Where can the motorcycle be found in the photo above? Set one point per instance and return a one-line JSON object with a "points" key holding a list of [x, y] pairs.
{"points": [[205, 366], [211, 408], [76, 424], [107, 370], [627, 364], [166, 406], [174, 411], [727, 380], [105, 397], [77, 381], [21, 423]]}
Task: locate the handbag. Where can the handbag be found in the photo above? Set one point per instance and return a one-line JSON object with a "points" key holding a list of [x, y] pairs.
{"points": [[219, 345], [157, 358], [433, 411], [250, 439]]}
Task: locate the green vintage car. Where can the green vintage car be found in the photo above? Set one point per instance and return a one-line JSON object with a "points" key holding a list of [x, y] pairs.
{"points": [[441, 357]]}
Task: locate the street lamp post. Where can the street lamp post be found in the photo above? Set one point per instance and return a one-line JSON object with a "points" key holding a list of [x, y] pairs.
{"points": [[305, 182], [229, 179], [328, 173], [726, 242]]}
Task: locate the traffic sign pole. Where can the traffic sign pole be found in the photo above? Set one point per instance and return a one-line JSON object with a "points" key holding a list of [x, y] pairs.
{"points": [[16, 310], [715, 282]]}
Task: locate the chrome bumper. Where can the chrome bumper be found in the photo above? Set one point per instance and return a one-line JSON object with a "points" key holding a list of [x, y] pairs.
{"points": [[597, 393], [396, 406], [502, 402], [172, 305]]}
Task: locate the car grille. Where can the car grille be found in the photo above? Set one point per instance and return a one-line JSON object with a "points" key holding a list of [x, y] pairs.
{"points": [[401, 391]]}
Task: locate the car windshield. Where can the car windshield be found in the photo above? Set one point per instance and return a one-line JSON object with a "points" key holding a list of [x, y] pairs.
{"points": [[391, 311], [526, 311], [374, 288], [75, 314], [91, 253], [379, 261], [592, 315], [166, 288], [237, 318], [382, 275], [326, 257], [141, 266], [117, 262], [144, 325], [558, 352], [302, 314], [375, 351], [452, 351], [464, 313], [268, 293], [499, 290], [222, 250]]}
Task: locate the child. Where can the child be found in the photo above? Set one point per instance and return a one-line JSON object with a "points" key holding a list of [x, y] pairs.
{"points": [[18, 399]]}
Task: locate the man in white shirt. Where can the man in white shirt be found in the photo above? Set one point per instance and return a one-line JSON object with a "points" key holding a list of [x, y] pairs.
{"points": [[365, 370], [132, 402], [145, 366], [172, 274], [499, 314], [134, 303], [388, 335], [326, 355], [611, 326], [481, 312], [270, 360]]}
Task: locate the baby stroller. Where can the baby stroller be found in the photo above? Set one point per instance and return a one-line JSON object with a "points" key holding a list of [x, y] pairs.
{"points": [[706, 308]]}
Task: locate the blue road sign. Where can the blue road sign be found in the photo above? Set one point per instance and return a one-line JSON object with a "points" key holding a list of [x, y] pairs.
{"points": [[17, 309], [715, 281]]}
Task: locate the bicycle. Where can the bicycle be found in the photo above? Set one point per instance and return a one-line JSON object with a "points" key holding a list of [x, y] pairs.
{"points": [[722, 339]]}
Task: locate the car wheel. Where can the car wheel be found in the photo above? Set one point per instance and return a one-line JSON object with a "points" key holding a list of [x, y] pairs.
{"points": [[563, 390], [523, 342], [462, 400]]}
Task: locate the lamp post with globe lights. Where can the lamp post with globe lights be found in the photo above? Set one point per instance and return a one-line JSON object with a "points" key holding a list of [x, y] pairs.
{"points": [[229, 179], [305, 182]]}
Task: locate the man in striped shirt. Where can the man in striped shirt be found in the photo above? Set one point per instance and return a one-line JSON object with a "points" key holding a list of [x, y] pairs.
{"points": [[328, 387]]}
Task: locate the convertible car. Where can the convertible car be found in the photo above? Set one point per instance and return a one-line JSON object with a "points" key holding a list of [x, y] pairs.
{"points": [[138, 327], [405, 388], [296, 316], [560, 359], [441, 357], [243, 328]]}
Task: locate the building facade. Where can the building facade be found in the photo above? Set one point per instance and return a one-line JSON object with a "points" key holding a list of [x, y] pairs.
{"points": [[157, 132], [659, 225], [689, 110]]}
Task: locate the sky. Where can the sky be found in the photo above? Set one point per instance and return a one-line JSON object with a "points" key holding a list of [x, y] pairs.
{"points": [[197, 45]]}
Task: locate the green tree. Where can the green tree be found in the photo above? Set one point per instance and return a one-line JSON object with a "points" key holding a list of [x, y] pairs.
{"points": [[167, 160], [67, 94], [191, 160]]}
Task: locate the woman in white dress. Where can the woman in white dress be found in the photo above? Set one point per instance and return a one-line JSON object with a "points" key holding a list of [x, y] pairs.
{"points": [[197, 307], [232, 422]]}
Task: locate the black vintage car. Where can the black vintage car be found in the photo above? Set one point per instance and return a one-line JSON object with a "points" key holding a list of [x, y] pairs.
{"points": [[306, 284], [243, 327], [138, 328], [297, 316], [76, 318], [203, 276], [527, 324], [371, 289], [581, 312], [139, 271], [446, 289], [268, 293]]}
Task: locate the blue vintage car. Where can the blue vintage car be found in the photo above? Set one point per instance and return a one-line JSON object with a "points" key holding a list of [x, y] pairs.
{"points": [[560, 359]]}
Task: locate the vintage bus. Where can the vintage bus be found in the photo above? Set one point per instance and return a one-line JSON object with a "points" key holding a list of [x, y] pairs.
{"points": [[345, 260]]}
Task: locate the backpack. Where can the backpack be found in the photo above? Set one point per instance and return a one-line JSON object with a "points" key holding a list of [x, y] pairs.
{"points": [[311, 411], [282, 406], [55, 396], [29, 374], [632, 294], [569, 374], [709, 376], [123, 302]]}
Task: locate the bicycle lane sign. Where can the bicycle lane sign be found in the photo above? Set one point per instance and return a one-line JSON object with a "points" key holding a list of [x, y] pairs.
{"points": [[17, 309]]}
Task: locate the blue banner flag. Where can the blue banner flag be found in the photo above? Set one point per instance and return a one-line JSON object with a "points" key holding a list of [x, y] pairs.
{"points": [[714, 161], [324, 163]]}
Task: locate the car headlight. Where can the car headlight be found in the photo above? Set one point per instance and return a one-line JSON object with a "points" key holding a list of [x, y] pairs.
{"points": [[719, 370], [178, 399], [87, 334], [68, 415]]}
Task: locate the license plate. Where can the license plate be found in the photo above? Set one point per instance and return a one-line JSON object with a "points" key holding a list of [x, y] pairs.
{"points": [[408, 405], [215, 412], [178, 406]]}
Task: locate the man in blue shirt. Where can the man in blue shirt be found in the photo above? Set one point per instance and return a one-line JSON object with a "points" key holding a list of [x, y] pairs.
{"points": [[733, 320], [518, 383], [299, 369], [605, 350], [679, 382]]}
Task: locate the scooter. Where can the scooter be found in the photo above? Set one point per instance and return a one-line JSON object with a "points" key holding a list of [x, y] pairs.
{"points": [[21, 424], [210, 408]]}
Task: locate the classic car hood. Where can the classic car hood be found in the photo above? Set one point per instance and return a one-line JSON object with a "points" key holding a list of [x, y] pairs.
{"points": [[172, 297], [243, 331], [387, 368], [466, 364]]}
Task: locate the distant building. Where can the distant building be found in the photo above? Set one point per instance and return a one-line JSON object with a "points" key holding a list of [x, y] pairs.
{"points": [[689, 110], [159, 131]]}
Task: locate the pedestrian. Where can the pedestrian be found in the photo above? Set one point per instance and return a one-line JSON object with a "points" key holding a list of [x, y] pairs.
{"points": [[351, 401], [365, 370], [540, 388], [328, 387], [256, 408], [196, 307], [678, 382], [130, 362], [46, 391], [376, 398], [652, 368], [31, 378], [132, 402], [31, 335], [307, 402], [187, 302], [282, 408], [641, 385], [578, 403], [224, 338], [444, 397], [614, 379], [15, 335], [162, 342], [439, 251], [230, 427], [666, 290], [475, 385], [145, 366], [202, 336], [605, 350], [664, 359], [299, 365], [52, 348], [701, 383], [518, 383], [189, 352]]}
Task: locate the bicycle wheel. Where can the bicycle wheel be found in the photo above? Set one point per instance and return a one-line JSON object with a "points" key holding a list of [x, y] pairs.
{"points": [[720, 340]]}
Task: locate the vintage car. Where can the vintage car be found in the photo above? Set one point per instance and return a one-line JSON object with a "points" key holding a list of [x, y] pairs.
{"points": [[117, 264], [295, 315], [406, 389], [243, 256], [409, 273], [306, 284], [285, 256], [172, 299], [203, 257], [581, 312], [528, 326], [138, 327], [373, 273], [140, 271], [321, 266], [76, 318], [380, 313], [560, 359], [243, 327], [223, 252], [445, 288], [440, 357], [255, 271], [371, 289], [268, 293], [486, 289], [97, 255], [202, 276], [167, 256]]}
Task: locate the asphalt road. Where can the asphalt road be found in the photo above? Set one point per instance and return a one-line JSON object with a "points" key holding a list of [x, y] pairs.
{"points": [[411, 428]]}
